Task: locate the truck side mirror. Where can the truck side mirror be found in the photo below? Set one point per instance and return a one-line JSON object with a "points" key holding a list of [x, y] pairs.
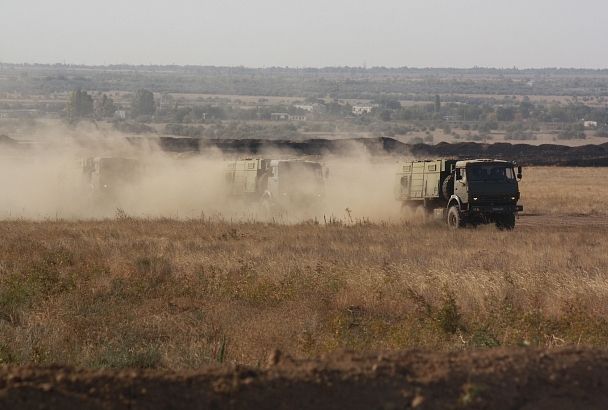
{"points": [[519, 174], [458, 175]]}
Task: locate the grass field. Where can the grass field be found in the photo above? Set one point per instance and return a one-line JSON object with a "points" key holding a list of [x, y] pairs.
{"points": [[182, 294], [563, 190]]}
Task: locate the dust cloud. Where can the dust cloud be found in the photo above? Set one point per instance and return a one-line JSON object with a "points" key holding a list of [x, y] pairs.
{"points": [[48, 179]]}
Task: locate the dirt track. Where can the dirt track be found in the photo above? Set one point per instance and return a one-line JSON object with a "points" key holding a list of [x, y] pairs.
{"points": [[562, 220], [498, 379]]}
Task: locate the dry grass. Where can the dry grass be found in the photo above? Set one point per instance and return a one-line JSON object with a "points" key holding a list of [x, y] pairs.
{"points": [[571, 191], [164, 293], [172, 294]]}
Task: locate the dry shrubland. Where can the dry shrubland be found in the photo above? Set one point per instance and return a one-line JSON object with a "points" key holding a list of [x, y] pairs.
{"points": [[182, 294]]}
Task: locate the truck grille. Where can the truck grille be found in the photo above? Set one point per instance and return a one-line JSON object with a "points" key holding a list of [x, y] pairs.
{"points": [[493, 200]]}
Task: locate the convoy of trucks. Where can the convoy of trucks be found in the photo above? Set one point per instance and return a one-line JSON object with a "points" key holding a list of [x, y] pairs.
{"points": [[462, 193]]}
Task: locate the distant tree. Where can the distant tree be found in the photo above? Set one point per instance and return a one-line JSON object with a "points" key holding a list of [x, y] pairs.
{"points": [[143, 103], [337, 109], [470, 112], [388, 103], [487, 126], [182, 114], [80, 105], [437, 104], [572, 131], [104, 107], [526, 107], [385, 115], [505, 113], [219, 113]]}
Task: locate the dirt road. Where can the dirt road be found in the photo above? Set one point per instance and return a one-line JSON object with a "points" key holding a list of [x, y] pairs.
{"points": [[497, 379], [562, 220]]}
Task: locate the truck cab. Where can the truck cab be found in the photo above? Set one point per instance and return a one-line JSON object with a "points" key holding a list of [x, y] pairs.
{"points": [[485, 190], [470, 192]]}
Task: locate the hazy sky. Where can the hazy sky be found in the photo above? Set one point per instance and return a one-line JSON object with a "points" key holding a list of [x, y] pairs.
{"points": [[460, 33]]}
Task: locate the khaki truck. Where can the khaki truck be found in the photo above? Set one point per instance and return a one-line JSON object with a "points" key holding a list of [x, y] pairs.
{"points": [[470, 192], [276, 184], [107, 176]]}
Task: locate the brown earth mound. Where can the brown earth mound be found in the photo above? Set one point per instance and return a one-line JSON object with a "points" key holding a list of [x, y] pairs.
{"points": [[525, 154], [6, 140], [496, 379]]}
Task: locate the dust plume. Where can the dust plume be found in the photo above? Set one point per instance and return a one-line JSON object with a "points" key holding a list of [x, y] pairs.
{"points": [[55, 177], [360, 187]]}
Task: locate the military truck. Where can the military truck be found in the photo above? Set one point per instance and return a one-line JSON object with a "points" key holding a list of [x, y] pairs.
{"points": [[276, 184], [106, 176], [470, 192]]}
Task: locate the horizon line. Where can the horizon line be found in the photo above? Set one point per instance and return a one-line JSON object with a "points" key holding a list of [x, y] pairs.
{"points": [[364, 68]]}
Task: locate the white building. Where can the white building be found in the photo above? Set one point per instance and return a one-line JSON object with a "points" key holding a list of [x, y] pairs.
{"points": [[120, 114], [305, 107], [362, 109], [279, 116], [590, 124]]}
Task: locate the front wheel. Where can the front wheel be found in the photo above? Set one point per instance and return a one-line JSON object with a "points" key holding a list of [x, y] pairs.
{"points": [[454, 218]]}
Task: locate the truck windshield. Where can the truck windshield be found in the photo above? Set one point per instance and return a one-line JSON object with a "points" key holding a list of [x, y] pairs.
{"points": [[490, 173]]}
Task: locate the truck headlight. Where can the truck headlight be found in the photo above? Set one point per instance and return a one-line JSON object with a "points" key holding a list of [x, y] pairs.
{"points": [[475, 199], [512, 198]]}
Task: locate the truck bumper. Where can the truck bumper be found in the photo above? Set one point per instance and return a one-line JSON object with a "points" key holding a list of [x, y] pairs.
{"points": [[495, 209]]}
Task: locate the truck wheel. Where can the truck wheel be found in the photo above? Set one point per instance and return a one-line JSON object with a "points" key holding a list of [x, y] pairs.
{"points": [[447, 187], [455, 218], [421, 212], [408, 209], [505, 222], [265, 206]]}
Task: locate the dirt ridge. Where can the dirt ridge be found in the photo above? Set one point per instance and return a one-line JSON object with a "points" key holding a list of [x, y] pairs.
{"points": [[499, 379], [525, 154]]}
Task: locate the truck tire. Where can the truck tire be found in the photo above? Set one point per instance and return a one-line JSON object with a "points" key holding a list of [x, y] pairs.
{"points": [[265, 206], [447, 187], [408, 208], [454, 218], [505, 222]]}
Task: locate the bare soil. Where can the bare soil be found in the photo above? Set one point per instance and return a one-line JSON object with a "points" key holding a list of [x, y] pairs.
{"points": [[537, 220], [497, 379]]}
